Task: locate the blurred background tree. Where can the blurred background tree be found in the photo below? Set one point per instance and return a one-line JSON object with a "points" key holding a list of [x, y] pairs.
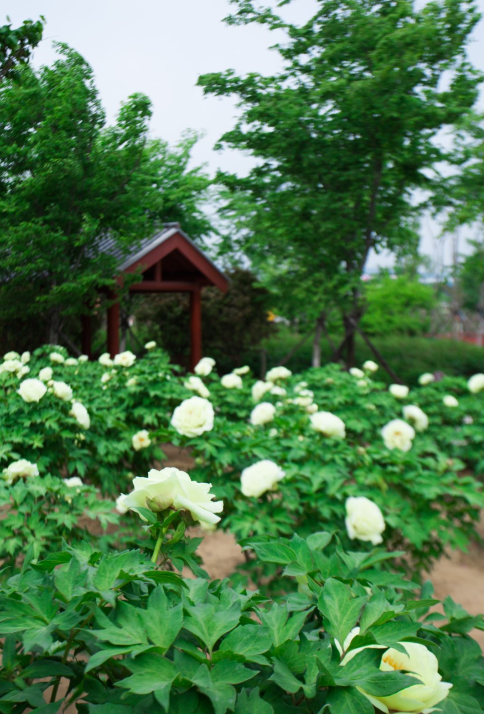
{"points": [[16, 45]]}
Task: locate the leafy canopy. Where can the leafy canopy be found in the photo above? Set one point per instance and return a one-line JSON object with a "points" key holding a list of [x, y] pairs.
{"points": [[342, 135]]}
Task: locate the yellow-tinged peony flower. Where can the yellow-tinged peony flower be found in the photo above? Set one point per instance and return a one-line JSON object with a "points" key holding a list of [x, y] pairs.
{"points": [[195, 384], [241, 370], [260, 477], [193, 416], [14, 366], [11, 355], [476, 383], [74, 482], [174, 489], [32, 390], [450, 401], [262, 413], [71, 362], [150, 345], [358, 373], [231, 381], [426, 378], [62, 391], [259, 388], [328, 424], [25, 357], [83, 358], [399, 391], [125, 359], [57, 358], [45, 374], [370, 366], [19, 469], [80, 414], [278, 373], [364, 520], [141, 440], [414, 414], [397, 434], [205, 366], [420, 663], [105, 360]]}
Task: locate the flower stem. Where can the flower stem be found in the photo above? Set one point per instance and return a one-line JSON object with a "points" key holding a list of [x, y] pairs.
{"points": [[157, 549]]}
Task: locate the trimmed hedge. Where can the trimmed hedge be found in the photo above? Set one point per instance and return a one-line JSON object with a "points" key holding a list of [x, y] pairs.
{"points": [[409, 357]]}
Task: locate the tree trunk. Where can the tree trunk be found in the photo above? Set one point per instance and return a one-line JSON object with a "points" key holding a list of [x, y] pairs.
{"points": [[350, 341], [318, 333], [54, 326]]}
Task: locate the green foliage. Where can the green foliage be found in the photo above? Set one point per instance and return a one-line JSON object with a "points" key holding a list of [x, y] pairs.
{"points": [[342, 135], [124, 641], [16, 45], [241, 312], [396, 306], [408, 356], [67, 180], [46, 513], [470, 278]]}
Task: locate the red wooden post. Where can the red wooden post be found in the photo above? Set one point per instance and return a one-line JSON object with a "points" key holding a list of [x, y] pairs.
{"points": [[113, 329], [86, 335], [195, 327]]}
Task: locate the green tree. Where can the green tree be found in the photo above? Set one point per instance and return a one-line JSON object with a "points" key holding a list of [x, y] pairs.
{"points": [[470, 278], [342, 137], [67, 180], [16, 45]]}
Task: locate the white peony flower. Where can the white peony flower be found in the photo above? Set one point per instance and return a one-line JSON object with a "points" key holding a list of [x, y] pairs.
{"points": [[73, 482], [312, 408], [106, 377], [450, 401], [11, 355], [422, 664], [125, 359], [358, 373], [80, 414], [141, 440], [397, 434], [426, 378], [150, 345], [196, 385], [399, 391], [171, 488], [417, 416], [260, 477], [467, 419], [328, 424], [278, 391], [120, 507], [32, 390], [241, 370], [476, 383], [273, 432], [259, 388], [62, 390], [370, 366], [193, 416], [278, 373], [300, 386], [105, 360], [25, 370], [262, 413], [364, 520], [362, 383], [83, 358], [45, 374], [204, 367], [56, 357], [71, 362], [12, 366], [25, 357], [131, 381], [303, 401], [231, 381], [19, 469]]}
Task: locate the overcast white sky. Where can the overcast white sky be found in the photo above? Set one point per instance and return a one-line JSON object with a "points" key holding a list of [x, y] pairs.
{"points": [[160, 47]]}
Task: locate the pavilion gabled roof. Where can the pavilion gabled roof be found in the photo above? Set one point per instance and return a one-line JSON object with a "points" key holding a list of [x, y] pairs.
{"points": [[170, 238]]}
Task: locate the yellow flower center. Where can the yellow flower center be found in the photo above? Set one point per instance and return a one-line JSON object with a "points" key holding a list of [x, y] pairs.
{"points": [[388, 659]]}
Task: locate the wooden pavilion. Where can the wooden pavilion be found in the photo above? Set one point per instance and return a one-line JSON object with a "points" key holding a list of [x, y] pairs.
{"points": [[169, 262]]}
